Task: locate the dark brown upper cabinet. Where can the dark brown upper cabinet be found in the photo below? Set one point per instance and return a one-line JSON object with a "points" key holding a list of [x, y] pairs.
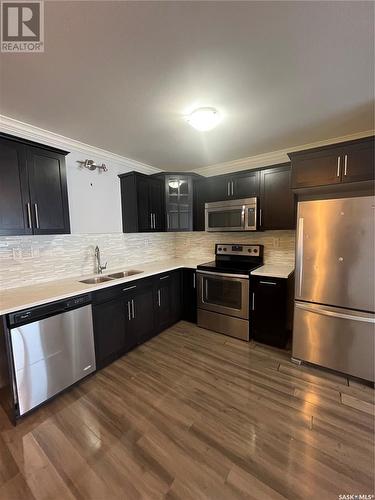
{"points": [[236, 186], [142, 200], [277, 200], [347, 162], [33, 188]]}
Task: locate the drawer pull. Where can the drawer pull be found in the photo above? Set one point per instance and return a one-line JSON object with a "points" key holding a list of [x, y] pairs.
{"points": [[129, 288], [164, 277], [268, 282]]}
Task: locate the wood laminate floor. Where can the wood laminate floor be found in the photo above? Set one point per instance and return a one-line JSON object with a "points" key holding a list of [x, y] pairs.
{"points": [[195, 415]]}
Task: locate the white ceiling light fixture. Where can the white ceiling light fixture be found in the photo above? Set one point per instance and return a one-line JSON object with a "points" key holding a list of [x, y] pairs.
{"points": [[204, 119]]}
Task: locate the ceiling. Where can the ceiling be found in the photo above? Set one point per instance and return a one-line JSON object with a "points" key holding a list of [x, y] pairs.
{"points": [[122, 75]]}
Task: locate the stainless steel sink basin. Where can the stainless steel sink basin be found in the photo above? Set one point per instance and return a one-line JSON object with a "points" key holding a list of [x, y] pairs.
{"points": [[124, 274], [98, 279]]}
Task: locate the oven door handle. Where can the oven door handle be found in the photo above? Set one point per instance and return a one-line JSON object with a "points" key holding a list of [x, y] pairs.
{"points": [[224, 275]]}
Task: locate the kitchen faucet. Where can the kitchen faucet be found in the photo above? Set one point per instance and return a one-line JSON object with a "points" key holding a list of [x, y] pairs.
{"points": [[99, 267]]}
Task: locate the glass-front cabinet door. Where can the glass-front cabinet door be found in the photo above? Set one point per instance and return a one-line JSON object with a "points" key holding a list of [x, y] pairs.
{"points": [[179, 202]]}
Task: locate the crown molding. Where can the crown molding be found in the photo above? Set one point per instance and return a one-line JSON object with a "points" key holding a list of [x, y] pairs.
{"points": [[272, 158], [11, 126]]}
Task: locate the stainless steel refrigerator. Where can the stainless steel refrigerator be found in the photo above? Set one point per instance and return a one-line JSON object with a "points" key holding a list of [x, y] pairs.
{"points": [[334, 320]]}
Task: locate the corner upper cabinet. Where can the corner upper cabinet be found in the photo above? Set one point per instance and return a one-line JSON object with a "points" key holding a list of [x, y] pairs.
{"points": [[336, 164], [33, 189], [142, 203]]}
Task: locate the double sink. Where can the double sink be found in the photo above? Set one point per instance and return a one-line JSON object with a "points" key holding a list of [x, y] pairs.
{"points": [[110, 277]]}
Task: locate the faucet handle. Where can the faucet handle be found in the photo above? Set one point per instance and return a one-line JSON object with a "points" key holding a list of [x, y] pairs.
{"points": [[105, 266]]}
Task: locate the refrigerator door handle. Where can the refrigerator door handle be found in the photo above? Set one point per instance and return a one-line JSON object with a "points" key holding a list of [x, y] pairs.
{"points": [[325, 312], [300, 257]]}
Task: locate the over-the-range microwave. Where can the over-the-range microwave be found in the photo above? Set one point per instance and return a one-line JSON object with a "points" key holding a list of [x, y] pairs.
{"points": [[232, 215]]}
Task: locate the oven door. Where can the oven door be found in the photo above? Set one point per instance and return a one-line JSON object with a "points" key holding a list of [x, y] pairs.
{"points": [[224, 293]]}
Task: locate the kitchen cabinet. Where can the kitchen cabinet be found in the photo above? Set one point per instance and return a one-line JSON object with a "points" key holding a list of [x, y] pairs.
{"points": [[236, 186], [277, 200], [167, 299], [14, 190], [33, 189], [142, 200], [343, 163], [189, 295], [109, 330], [178, 201], [123, 317], [271, 304], [139, 311], [200, 197], [129, 314]]}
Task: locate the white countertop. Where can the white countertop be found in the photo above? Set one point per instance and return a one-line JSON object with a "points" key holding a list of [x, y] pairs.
{"points": [[274, 270], [16, 299]]}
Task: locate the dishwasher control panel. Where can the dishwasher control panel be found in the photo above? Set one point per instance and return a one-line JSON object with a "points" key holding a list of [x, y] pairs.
{"points": [[39, 312]]}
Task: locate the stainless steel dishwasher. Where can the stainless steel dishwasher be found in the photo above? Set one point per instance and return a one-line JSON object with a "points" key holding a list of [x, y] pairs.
{"points": [[52, 348]]}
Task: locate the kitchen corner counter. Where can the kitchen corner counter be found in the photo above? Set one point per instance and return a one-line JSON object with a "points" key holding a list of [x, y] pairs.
{"points": [[274, 270], [17, 299]]}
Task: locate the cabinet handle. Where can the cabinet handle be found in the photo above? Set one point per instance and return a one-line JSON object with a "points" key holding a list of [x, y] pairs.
{"points": [[150, 220], [28, 214], [168, 221], [36, 215], [194, 278], [129, 288], [129, 317], [228, 188], [154, 221], [260, 217], [253, 302], [345, 164], [267, 282], [232, 182], [133, 309], [159, 301], [338, 166], [164, 277]]}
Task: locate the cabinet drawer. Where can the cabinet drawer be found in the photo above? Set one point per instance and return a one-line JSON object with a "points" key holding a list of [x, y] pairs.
{"points": [[122, 290]]}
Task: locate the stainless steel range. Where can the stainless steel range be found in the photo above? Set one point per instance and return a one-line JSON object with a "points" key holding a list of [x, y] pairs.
{"points": [[223, 289]]}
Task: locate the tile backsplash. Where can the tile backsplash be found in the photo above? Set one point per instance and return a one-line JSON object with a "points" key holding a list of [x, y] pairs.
{"points": [[278, 245], [33, 259]]}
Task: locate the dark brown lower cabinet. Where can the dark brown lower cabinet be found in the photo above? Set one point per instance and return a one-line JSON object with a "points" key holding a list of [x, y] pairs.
{"points": [[129, 314], [109, 331], [140, 316], [271, 306], [189, 295], [168, 289]]}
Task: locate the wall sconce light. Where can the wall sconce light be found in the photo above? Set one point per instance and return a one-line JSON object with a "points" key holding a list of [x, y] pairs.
{"points": [[91, 165]]}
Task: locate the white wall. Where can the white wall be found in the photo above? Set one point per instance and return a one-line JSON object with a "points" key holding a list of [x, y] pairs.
{"points": [[94, 197]]}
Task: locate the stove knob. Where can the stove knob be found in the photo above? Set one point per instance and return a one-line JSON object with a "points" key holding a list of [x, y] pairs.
{"points": [[220, 249], [255, 250], [249, 250], [225, 249]]}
